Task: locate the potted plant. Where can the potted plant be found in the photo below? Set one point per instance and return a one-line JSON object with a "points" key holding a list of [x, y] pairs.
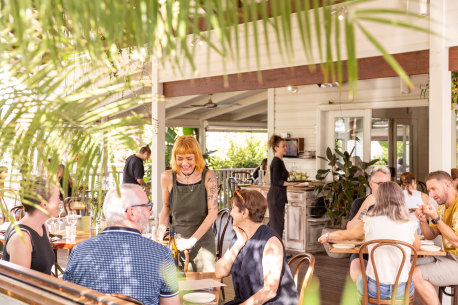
{"points": [[349, 181]]}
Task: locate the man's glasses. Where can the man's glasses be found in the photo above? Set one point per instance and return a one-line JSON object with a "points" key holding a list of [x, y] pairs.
{"points": [[149, 205], [378, 183]]}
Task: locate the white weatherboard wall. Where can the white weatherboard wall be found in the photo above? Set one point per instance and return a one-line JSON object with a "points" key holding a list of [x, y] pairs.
{"points": [[297, 113], [393, 39]]}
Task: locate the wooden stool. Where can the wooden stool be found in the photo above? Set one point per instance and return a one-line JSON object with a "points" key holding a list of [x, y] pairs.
{"points": [[453, 293]]}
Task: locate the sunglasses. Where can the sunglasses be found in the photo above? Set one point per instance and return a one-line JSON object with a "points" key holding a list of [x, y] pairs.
{"points": [[237, 192], [149, 205]]}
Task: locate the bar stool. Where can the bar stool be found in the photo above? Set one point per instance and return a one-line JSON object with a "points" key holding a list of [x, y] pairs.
{"points": [[453, 293]]}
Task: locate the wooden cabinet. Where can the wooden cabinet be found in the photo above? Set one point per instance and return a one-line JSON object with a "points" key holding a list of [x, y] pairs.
{"points": [[301, 230]]}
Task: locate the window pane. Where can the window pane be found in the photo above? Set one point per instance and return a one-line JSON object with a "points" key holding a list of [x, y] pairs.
{"points": [[380, 140], [349, 134]]}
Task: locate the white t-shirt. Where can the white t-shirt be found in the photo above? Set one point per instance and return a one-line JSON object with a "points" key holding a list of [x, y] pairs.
{"points": [[412, 201], [388, 259]]}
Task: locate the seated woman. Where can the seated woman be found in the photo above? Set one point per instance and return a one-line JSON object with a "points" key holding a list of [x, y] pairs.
{"points": [[256, 257], [261, 167], [389, 219], [33, 250], [414, 198]]}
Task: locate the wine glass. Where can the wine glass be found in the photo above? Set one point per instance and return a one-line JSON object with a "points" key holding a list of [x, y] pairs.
{"points": [[61, 210]]}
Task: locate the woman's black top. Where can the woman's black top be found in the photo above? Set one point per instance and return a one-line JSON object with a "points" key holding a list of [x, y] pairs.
{"points": [[278, 172], [42, 253], [248, 275]]}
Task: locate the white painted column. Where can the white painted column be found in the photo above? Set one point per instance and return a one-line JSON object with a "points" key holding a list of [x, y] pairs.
{"points": [[440, 117], [158, 138], [270, 119], [203, 135]]}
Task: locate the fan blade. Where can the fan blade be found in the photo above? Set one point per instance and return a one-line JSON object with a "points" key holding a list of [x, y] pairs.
{"points": [[227, 105], [194, 106]]}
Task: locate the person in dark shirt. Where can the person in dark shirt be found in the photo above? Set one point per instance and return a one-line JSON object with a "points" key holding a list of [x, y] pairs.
{"points": [[134, 169], [276, 197], [33, 249], [256, 258], [359, 209]]}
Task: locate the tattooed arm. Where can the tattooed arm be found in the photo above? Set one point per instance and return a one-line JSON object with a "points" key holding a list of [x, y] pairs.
{"points": [[370, 200], [212, 205]]}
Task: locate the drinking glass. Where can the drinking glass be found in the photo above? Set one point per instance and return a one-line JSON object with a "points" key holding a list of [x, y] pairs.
{"points": [[72, 219], [61, 210]]}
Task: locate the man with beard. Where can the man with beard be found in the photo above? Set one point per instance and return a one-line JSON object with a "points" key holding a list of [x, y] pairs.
{"points": [[120, 259], [438, 270]]}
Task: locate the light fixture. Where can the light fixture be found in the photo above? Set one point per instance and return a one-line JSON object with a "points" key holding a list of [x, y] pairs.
{"points": [[341, 12], [197, 42], [292, 89], [328, 85]]}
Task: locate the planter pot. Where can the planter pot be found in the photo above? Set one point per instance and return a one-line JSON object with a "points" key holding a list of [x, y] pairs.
{"points": [[326, 247]]}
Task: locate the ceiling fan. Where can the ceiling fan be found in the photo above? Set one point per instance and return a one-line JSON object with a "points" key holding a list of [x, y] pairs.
{"points": [[211, 105]]}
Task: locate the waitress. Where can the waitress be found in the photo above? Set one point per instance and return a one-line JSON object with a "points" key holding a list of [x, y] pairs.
{"points": [[190, 197], [276, 197]]}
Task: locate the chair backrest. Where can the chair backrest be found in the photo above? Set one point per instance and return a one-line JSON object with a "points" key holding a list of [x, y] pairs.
{"points": [[75, 204], [378, 243], [224, 216], [301, 259], [17, 212]]}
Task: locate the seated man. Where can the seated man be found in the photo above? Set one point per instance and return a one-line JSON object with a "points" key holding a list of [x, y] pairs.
{"points": [[438, 270], [359, 209], [120, 259]]}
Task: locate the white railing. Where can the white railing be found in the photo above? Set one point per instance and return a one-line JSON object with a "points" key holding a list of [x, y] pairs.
{"points": [[225, 188]]}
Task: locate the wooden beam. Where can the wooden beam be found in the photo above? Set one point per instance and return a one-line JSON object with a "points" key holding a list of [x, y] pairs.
{"points": [[262, 109], [416, 62], [453, 59]]}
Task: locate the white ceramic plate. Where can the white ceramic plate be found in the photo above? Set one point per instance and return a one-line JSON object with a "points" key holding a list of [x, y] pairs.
{"points": [[430, 248], [427, 242], [199, 297], [343, 246]]}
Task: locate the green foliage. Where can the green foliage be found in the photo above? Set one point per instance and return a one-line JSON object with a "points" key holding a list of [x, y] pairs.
{"points": [[170, 138], [348, 182], [350, 294], [424, 91], [247, 155]]}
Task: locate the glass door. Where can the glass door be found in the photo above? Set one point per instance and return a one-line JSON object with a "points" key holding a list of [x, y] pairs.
{"points": [[350, 130]]}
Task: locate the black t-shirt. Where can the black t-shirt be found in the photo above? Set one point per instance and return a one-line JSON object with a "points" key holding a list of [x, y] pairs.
{"points": [[355, 206], [133, 170]]}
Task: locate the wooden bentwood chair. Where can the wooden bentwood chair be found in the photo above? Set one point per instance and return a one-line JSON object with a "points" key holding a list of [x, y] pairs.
{"points": [[387, 243], [220, 227], [301, 259], [453, 294]]}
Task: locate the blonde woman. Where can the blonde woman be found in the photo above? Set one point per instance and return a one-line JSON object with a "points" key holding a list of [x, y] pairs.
{"points": [[388, 219], [190, 196]]}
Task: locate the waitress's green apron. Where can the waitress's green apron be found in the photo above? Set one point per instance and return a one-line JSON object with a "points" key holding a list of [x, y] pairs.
{"points": [[189, 209]]}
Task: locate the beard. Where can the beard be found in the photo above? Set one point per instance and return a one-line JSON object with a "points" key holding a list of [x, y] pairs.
{"points": [[144, 223]]}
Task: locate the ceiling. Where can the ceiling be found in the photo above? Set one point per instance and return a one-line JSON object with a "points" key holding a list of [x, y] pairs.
{"points": [[239, 109]]}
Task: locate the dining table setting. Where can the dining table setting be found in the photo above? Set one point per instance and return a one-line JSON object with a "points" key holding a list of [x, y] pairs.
{"points": [[428, 248], [199, 288]]}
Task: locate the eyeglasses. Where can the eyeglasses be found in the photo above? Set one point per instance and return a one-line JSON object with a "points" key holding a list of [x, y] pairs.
{"points": [[378, 183], [149, 205]]}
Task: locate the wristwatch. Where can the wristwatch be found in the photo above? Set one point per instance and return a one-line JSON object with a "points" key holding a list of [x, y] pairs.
{"points": [[435, 221], [327, 236]]}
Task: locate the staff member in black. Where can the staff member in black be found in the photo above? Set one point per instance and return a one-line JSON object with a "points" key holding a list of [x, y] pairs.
{"points": [[134, 170], [276, 197]]}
